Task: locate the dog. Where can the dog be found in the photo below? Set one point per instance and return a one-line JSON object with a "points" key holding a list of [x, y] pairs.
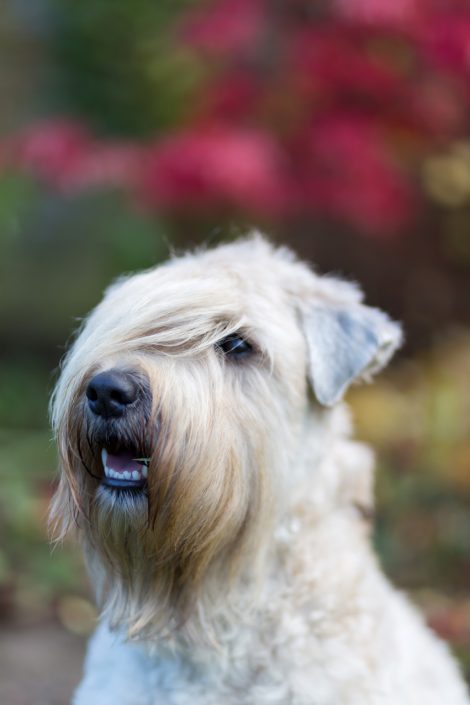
{"points": [[208, 467]]}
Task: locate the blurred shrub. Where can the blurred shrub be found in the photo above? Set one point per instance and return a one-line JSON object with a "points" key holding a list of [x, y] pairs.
{"points": [[72, 246], [278, 111], [117, 65]]}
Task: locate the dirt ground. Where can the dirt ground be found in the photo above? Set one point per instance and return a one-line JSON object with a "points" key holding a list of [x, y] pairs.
{"points": [[39, 665]]}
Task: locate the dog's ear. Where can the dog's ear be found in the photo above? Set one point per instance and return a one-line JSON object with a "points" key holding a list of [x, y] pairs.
{"points": [[346, 341]]}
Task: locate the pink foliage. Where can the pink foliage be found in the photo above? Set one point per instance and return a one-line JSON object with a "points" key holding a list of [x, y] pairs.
{"points": [[51, 151], [390, 14], [65, 156], [305, 108], [446, 43], [348, 172], [224, 26], [113, 164], [217, 168], [335, 68]]}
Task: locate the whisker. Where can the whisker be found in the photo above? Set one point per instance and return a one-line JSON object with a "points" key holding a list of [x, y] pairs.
{"points": [[80, 454], [88, 437]]}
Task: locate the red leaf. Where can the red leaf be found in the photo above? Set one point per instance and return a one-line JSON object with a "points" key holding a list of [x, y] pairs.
{"points": [[215, 167], [225, 26]]}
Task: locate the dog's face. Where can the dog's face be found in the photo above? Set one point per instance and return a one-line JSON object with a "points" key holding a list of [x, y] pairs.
{"points": [[179, 414]]}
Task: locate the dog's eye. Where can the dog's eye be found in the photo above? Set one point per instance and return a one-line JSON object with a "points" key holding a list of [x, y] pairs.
{"points": [[235, 346]]}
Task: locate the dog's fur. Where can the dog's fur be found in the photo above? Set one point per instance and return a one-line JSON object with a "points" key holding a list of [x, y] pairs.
{"points": [[244, 574]]}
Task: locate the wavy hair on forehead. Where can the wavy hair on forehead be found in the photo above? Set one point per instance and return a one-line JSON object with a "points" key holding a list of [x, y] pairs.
{"points": [[190, 297]]}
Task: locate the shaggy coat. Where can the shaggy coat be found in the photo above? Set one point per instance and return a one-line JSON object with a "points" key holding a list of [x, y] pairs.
{"points": [[242, 574]]}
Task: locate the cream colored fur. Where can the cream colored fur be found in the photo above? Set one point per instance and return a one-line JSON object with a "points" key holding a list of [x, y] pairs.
{"points": [[247, 577]]}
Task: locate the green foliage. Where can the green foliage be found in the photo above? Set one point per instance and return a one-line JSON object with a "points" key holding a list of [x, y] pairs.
{"points": [[27, 465], [15, 192], [118, 66], [76, 247]]}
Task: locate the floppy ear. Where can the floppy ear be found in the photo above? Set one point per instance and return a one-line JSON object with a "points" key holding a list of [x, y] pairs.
{"points": [[346, 342]]}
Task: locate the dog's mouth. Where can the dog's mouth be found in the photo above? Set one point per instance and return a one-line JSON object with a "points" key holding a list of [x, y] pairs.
{"points": [[123, 469]]}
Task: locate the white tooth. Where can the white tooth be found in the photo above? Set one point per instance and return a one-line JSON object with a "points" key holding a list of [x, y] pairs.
{"points": [[135, 475], [115, 474], [126, 475], [104, 457], [145, 471]]}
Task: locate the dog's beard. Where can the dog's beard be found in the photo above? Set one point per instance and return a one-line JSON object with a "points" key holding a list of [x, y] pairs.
{"points": [[115, 515], [121, 547], [155, 553], [165, 557]]}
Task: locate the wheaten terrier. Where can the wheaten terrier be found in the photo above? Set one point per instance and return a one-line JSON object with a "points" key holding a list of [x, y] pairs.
{"points": [[207, 465]]}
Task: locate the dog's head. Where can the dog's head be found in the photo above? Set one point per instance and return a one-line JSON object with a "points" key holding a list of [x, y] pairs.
{"points": [[180, 418]]}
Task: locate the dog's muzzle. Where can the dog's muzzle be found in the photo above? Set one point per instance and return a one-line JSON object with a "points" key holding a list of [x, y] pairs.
{"points": [[116, 398]]}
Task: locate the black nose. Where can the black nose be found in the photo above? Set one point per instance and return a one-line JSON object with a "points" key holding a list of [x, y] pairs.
{"points": [[110, 393]]}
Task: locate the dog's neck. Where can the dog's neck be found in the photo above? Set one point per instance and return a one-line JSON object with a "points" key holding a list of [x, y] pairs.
{"points": [[335, 472]]}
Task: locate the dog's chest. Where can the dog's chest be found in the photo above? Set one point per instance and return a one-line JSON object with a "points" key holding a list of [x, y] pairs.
{"points": [[275, 666]]}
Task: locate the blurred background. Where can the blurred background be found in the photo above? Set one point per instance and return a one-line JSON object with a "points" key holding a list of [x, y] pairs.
{"points": [[341, 128]]}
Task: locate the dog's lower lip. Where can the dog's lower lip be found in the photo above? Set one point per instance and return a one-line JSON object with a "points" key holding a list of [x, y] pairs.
{"points": [[123, 484]]}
